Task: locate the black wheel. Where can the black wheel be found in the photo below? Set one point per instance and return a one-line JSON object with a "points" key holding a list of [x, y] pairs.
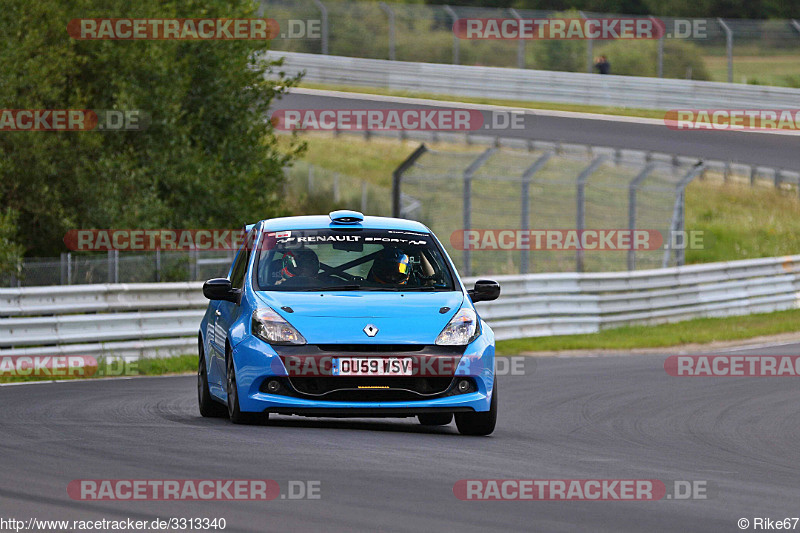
{"points": [[237, 416], [435, 419], [208, 406], [479, 423]]}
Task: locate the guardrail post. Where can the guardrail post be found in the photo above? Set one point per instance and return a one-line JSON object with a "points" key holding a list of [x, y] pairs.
{"points": [[390, 15], [589, 50], [397, 177], [729, 47], [678, 222], [467, 201], [580, 199], [323, 12], [520, 42], [525, 206], [632, 190], [449, 10]]}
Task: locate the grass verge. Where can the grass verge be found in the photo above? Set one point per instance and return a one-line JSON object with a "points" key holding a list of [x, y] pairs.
{"points": [[697, 331], [150, 366]]}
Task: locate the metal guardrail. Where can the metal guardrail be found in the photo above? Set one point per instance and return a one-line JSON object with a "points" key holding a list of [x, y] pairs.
{"points": [[131, 320], [162, 319], [569, 303], [536, 85]]}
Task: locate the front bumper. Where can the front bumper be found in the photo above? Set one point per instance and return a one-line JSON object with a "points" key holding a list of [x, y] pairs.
{"points": [[257, 362]]}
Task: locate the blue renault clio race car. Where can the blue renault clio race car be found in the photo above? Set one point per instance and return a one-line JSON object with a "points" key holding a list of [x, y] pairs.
{"points": [[346, 316]]}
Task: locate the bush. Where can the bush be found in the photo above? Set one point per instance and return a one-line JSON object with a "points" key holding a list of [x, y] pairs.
{"points": [[640, 58], [10, 249]]}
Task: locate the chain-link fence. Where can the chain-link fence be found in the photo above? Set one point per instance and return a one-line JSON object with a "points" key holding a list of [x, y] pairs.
{"points": [[738, 50], [318, 188], [471, 198]]}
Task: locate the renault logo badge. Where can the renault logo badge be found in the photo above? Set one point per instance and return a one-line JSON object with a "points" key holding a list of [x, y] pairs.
{"points": [[370, 330]]}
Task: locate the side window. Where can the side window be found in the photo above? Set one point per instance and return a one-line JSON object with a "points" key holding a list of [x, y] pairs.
{"points": [[242, 259]]}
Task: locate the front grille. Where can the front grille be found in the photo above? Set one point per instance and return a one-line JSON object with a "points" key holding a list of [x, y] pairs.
{"points": [[367, 388], [371, 348]]}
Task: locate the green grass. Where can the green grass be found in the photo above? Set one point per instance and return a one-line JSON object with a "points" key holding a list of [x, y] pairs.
{"points": [[151, 366], [742, 222], [552, 106], [778, 70], [697, 331]]}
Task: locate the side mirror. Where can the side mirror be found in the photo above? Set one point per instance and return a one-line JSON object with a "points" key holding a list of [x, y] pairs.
{"points": [[220, 289], [485, 290]]}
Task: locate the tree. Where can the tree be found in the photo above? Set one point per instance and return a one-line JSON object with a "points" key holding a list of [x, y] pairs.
{"points": [[208, 158]]}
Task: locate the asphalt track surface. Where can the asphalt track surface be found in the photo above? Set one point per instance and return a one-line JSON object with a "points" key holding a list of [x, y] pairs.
{"points": [[753, 148], [618, 417]]}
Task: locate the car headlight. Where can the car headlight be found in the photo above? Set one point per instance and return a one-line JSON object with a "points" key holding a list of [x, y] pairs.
{"points": [[461, 330], [269, 326]]}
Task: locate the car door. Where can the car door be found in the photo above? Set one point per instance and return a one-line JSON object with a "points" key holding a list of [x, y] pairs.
{"points": [[226, 312]]}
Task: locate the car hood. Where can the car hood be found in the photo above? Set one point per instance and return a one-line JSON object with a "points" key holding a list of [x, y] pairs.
{"points": [[340, 317]]}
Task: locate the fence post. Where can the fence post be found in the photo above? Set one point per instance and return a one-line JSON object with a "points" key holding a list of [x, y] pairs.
{"points": [[323, 11], [520, 42], [632, 190], [589, 50], [729, 47], [64, 277], [397, 177], [660, 66], [580, 199], [110, 276], [678, 215], [452, 14], [469, 172], [390, 15], [158, 264], [336, 187], [363, 196], [525, 214]]}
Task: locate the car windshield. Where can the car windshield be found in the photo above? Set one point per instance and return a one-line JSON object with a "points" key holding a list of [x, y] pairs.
{"points": [[351, 259]]}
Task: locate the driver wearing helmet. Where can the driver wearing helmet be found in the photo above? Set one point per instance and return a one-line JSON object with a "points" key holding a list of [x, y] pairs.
{"points": [[297, 265], [391, 266]]}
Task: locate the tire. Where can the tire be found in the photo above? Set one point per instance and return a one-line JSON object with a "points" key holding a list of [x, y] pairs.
{"points": [[209, 407], [234, 413], [479, 423], [435, 419]]}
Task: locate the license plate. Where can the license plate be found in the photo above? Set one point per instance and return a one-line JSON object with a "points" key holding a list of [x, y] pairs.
{"points": [[372, 366]]}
